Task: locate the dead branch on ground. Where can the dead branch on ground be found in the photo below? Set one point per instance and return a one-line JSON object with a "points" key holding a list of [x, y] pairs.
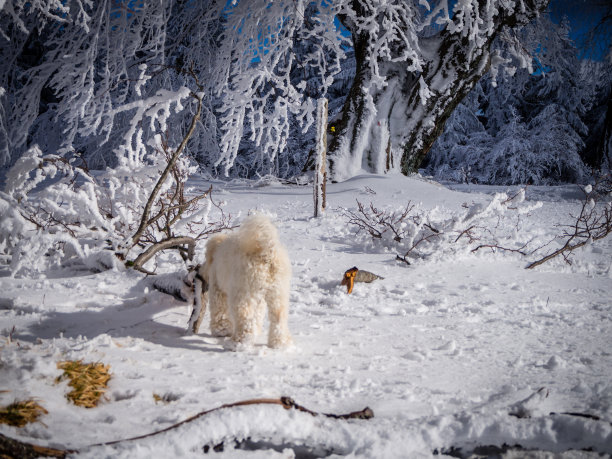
{"points": [[594, 222], [15, 448]]}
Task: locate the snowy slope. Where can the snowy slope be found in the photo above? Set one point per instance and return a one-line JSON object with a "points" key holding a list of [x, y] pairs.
{"points": [[442, 350]]}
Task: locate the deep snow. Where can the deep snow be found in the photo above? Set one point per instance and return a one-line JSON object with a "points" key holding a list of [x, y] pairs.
{"points": [[442, 350]]}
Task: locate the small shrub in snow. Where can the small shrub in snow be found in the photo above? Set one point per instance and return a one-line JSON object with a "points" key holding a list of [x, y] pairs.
{"points": [[420, 234]]}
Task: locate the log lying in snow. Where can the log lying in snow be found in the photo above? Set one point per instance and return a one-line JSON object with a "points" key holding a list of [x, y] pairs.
{"points": [[14, 448]]}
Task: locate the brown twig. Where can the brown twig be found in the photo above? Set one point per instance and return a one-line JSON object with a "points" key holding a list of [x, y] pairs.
{"points": [[592, 224], [11, 448], [145, 256], [520, 250], [162, 178]]}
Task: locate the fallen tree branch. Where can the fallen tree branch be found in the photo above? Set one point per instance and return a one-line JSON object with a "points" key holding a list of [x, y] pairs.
{"points": [[285, 402], [16, 448], [145, 256]]}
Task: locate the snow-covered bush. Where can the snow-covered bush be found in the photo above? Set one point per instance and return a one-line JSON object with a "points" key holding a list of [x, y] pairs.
{"points": [[56, 212], [416, 234], [46, 214]]}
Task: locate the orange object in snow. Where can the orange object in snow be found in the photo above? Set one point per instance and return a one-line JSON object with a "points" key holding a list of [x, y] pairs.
{"points": [[349, 279]]}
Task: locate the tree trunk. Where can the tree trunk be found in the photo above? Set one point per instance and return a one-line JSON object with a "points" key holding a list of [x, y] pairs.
{"points": [[400, 121], [320, 175], [351, 148], [604, 147]]}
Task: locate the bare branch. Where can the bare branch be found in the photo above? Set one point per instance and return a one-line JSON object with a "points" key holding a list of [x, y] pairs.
{"points": [[163, 245], [377, 222], [592, 223], [147, 210]]}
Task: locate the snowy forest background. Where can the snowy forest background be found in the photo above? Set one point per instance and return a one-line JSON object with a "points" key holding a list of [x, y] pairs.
{"points": [[98, 79]]}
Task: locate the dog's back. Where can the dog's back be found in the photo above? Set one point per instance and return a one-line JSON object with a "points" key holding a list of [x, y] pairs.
{"points": [[256, 239], [257, 234], [211, 246]]}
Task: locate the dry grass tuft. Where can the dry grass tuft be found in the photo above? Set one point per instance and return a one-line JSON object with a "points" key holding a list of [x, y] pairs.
{"points": [[88, 381], [20, 413]]}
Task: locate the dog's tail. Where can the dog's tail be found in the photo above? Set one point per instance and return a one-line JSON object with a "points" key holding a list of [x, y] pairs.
{"points": [[258, 235], [200, 297]]}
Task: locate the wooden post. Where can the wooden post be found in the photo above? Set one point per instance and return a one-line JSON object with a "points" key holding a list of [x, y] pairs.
{"points": [[320, 177]]}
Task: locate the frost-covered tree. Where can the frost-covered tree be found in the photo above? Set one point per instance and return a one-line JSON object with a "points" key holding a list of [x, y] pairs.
{"points": [[537, 126], [592, 21], [597, 79], [460, 153], [76, 73], [415, 62]]}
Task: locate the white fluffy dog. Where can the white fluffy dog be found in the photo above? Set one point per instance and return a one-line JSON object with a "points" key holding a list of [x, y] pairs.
{"points": [[244, 271]]}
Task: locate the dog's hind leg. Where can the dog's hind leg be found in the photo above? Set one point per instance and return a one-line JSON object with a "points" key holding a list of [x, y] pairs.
{"points": [[278, 335], [220, 324], [246, 319]]}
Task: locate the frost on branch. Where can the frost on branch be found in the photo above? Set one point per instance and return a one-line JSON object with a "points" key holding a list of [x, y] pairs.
{"points": [[72, 63], [259, 95]]}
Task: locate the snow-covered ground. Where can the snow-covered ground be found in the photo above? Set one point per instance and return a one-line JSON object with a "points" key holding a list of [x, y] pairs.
{"points": [[442, 350]]}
